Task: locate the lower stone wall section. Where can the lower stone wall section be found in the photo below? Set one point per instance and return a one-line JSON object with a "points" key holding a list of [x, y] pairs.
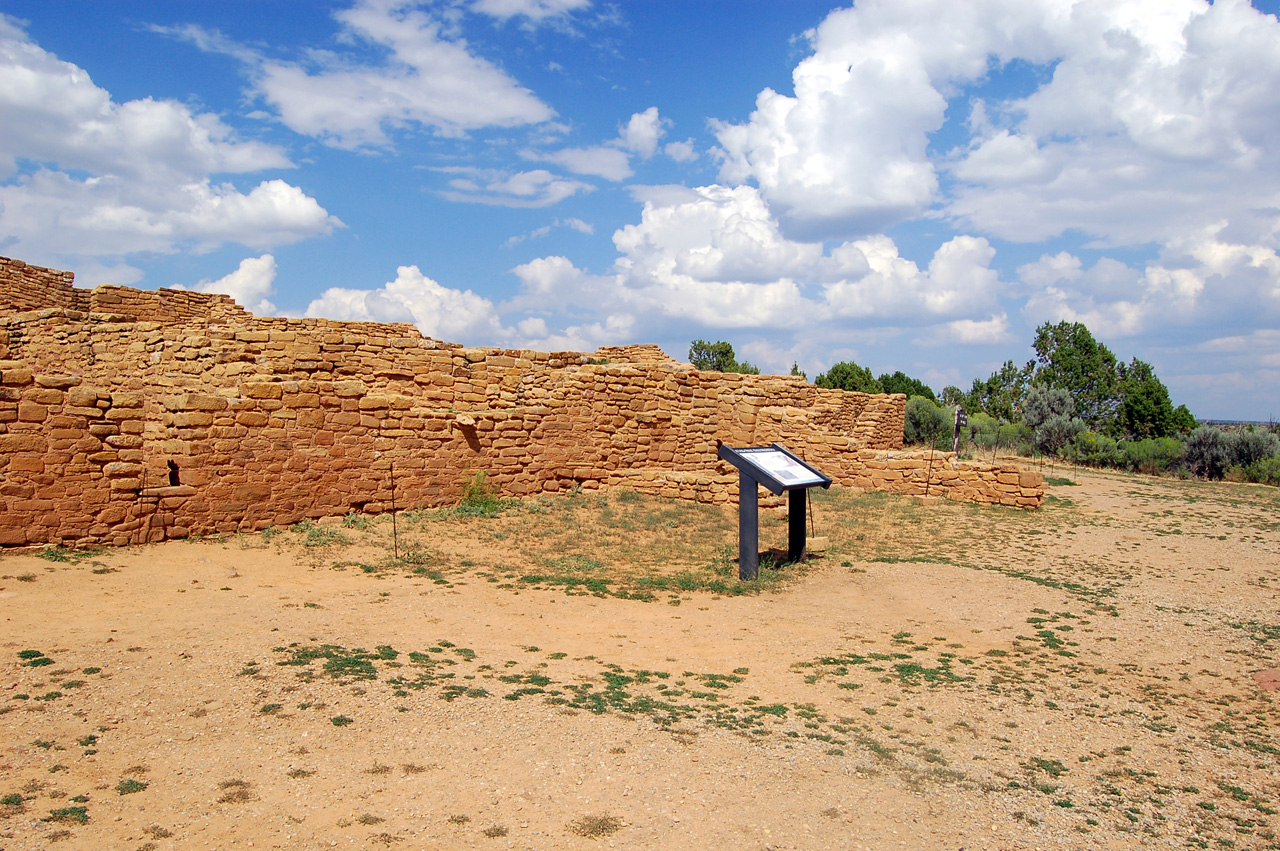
{"points": [[909, 473]]}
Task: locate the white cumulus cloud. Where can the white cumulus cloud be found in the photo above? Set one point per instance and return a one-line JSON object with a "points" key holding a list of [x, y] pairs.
{"points": [[104, 179], [1149, 119], [439, 311], [715, 256], [250, 285]]}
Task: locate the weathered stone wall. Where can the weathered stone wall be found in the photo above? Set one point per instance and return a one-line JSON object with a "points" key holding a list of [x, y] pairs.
{"points": [[25, 287], [137, 416]]}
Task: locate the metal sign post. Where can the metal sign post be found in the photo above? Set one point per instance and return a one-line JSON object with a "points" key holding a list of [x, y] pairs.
{"points": [[962, 420], [778, 470]]}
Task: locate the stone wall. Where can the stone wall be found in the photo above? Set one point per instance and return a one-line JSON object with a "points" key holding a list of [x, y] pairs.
{"points": [[130, 416]]}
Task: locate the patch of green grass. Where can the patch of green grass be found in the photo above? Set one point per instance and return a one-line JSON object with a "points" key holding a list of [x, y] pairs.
{"points": [[68, 815], [343, 665], [128, 786], [316, 535], [341, 720], [480, 498]]}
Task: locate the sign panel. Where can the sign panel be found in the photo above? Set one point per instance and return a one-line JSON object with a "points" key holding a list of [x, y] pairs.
{"points": [[783, 467], [774, 467]]}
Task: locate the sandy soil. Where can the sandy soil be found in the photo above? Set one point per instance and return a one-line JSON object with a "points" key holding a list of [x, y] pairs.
{"points": [[946, 677]]}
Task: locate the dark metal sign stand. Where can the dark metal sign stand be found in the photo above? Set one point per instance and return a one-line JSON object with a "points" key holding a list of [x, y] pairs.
{"points": [[778, 470]]}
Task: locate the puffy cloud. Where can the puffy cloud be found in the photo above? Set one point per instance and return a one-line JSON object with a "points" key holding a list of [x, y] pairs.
{"points": [[429, 80], [1147, 120], [959, 280], [642, 132], [681, 152], [972, 332], [847, 154], [534, 334], [1157, 120], [53, 213], [438, 311], [250, 284], [107, 179], [1199, 280], [715, 256], [54, 113]]}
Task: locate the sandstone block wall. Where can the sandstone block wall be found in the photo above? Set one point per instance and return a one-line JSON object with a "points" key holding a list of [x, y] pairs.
{"points": [[130, 416]]}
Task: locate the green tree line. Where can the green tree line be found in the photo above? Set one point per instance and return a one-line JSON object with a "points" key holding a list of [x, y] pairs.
{"points": [[1075, 401]]}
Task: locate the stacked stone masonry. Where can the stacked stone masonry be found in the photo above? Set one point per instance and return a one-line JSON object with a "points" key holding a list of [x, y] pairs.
{"points": [[129, 416]]}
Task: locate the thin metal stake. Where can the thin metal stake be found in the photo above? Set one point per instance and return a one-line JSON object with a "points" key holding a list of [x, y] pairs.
{"points": [[928, 475], [395, 534]]}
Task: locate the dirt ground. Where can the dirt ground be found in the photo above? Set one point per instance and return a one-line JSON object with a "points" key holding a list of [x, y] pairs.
{"points": [[585, 671]]}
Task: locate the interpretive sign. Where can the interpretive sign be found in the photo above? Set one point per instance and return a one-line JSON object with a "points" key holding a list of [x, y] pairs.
{"points": [[779, 471], [962, 420]]}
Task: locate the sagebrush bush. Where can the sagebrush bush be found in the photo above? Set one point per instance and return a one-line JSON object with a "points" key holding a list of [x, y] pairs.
{"points": [[1042, 404], [1055, 432], [1209, 452], [1251, 446]]}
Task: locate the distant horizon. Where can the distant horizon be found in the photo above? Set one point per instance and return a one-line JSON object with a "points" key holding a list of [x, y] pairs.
{"points": [[900, 184]]}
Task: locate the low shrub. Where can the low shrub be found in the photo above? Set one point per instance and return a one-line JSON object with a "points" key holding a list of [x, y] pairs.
{"points": [[1264, 472], [1093, 450], [1209, 452], [925, 422], [1055, 432], [1252, 446], [1152, 456]]}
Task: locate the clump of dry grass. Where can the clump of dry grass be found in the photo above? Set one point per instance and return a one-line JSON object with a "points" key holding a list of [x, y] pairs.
{"points": [[593, 827], [235, 792]]}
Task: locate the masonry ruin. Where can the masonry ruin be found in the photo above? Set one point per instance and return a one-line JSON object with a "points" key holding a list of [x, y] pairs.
{"points": [[131, 416]]}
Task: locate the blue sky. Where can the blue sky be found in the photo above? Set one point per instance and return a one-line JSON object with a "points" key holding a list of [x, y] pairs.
{"points": [[911, 184]]}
